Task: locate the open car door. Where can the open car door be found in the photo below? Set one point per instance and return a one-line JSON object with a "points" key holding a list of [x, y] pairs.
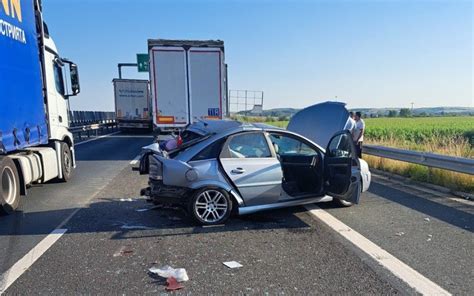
{"points": [[341, 168]]}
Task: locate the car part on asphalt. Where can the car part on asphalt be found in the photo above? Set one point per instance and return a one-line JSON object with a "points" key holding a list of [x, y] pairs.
{"points": [[172, 284], [167, 271], [232, 264]]}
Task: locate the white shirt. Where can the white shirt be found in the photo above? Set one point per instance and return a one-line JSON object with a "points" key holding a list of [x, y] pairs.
{"points": [[350, 124], [359, 126]]}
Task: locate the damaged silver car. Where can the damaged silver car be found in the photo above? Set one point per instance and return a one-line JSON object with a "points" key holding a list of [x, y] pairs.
{"points": [[224, 167]]}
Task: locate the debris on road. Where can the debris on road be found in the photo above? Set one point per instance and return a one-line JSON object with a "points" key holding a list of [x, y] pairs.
{"points": [[427, 219], [430, 236], [123, 251], [167, 271], [232, 264], [172, 284], [135, 227], [400, 233], [126, 199], [149, 209]]}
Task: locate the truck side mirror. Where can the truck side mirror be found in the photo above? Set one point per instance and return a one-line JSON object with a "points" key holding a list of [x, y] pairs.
{"points": [[75, 86]]}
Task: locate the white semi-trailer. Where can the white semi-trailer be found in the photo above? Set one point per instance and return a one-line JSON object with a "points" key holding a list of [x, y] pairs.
{"points": [[35, 85], [188, 81], [132, 104]]}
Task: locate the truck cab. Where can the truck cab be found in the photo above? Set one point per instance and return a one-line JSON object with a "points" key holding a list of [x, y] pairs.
{"points": [[36, 145]]}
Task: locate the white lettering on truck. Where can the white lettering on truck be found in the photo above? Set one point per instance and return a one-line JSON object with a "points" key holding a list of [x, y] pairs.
{"points": [[10, 31]]}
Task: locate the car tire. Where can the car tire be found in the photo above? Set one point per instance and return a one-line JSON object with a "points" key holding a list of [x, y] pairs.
{"points": [[66, 162], [9, 186], [210, 206]]}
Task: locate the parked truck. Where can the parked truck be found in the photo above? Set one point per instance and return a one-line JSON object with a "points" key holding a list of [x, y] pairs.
{"points": [[188, 81], [132, 104], [35, 84]]}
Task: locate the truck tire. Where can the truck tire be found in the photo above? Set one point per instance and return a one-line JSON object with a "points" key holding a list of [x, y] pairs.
{"points": [[66, 162], [10, 186]]}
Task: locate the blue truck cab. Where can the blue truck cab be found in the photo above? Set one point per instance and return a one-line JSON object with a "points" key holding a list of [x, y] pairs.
{"points": [[36, 145]]}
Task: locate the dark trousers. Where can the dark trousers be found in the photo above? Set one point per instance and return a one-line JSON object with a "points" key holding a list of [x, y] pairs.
{"points": [[358, 146]]}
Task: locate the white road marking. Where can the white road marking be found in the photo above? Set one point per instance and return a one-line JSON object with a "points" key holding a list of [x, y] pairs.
{"points": [[12, 274], [97, 138], [404, 272], [135, 160]]}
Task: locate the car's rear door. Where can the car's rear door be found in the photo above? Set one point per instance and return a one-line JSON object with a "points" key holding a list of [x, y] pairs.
{"points": [[253, 167], [341, 181]]}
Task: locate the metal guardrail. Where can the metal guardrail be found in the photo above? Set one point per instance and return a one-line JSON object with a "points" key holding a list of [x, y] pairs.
{"points": [[87, 121], [451, 163]]}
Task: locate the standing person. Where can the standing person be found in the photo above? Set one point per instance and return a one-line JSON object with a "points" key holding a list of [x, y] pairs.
{"points": [[350, 124], [358, 133]]}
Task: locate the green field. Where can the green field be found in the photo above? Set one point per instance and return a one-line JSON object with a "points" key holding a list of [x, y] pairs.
{"points": [[442, 130], [419, 133], [443, 135]]}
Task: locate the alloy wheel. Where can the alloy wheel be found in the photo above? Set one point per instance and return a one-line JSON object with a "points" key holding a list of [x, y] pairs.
{"points": [[211, 206]]}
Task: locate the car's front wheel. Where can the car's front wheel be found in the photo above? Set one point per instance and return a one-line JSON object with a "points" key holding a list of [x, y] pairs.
{"points": [[210, 206]]}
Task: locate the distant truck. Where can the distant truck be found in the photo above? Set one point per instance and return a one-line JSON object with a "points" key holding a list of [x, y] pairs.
{"points": [[132, 104], [35, 85], [188, 81]]}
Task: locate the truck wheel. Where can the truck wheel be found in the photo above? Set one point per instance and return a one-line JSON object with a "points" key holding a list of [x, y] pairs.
{"points": [[10, 186], [66, 162]]}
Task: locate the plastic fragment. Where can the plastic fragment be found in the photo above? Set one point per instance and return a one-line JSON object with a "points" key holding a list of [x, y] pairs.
{"points": [[232, 264], [135, 227], [400, 233], [123, 251], [167, 271], [172, 284], [148, 209], [427, 219]]}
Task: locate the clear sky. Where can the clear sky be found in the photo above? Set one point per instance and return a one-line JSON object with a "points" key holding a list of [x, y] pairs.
{"points": [[367, 53]]}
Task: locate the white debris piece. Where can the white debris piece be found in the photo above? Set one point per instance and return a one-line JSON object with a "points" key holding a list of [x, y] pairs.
{"points": [[126, 199], [135, 227], [232, 264], [427, 219], [400, 233], [167, 271]]}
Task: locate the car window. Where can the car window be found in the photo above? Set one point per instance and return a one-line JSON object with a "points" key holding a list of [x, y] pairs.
{"points": [[340, 146], [285, 145], [58, 78], [210, 152], [188, 136], [247, 145]]}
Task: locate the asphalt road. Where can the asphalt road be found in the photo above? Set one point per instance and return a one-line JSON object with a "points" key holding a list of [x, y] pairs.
{"points": [[282, 252], [46, 206]]}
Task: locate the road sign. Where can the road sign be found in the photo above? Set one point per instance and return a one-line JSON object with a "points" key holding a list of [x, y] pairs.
{"points": [[142, 62]]}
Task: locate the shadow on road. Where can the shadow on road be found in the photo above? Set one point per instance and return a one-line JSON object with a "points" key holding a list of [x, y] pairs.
{"points": [[135, 218], [126, 143]]}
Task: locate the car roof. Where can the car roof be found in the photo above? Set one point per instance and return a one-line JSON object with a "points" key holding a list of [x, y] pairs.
{"points": [[218, 129]]}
